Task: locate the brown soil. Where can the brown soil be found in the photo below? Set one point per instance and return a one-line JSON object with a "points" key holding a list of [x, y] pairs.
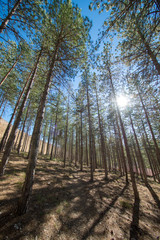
{"points": [[65, 205]]}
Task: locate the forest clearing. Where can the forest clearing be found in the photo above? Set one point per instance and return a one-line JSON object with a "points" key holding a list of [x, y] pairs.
{"points": [[66, 205], [79, 120]]}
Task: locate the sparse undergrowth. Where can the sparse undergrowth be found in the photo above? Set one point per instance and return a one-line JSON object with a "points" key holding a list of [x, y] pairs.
{"points": [[66, 205]]}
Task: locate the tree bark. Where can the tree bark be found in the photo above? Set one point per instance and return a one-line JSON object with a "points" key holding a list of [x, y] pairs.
{"points": [[90, 133], [103, 147], [30, 172], [66, 135], [6, 20], [22, 133], [49, 136], [5, 135], [136, 194], [11, 138], [10, 70], [150, 127], [139, 152], [149, 50]]}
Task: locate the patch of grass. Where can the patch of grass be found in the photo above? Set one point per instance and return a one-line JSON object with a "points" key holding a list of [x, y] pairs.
{"points": [[125, 205], [62, 207], [19, 185]]}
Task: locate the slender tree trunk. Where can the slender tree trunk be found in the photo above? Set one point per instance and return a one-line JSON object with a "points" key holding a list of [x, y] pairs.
{"points": [[24, 147], [10, 70], [150, 127], [5, 135], [7, 19], [55, 152], [150, 154], [44, 138], [72, 146], [76, 148], [122, 149], [81, 155], [66, 135], [90, 133], [86, 149], [136, 194], [11, 138], [139, 152], [22, 133], [149, 50], [17, 135], [55, 129], [3, 109], [30, 172], [2, 101], [103, 147], [49, 136]]}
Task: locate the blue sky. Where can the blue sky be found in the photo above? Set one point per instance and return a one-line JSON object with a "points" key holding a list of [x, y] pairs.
{"points": [[96, 18]]}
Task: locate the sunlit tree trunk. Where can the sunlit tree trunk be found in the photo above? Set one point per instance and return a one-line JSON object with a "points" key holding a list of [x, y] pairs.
{"points": [[90, 132], [149, 50], [30, 172], [5, 135], [76, 148], [44, 139], [150, 127], [11, 138], [102, 141], [139, 152], [86, 149], [49, 136], [130, 163], [22, 132], [7, 19], [66, 135], [10, 70], [122, 149], [55, 129]]}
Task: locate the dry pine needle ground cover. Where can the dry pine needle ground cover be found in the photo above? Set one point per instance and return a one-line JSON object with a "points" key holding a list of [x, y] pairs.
{"points": [[65, 205]]}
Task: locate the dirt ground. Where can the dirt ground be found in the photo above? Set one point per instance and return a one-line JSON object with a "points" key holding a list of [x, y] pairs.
{"points": [[65, 205]]}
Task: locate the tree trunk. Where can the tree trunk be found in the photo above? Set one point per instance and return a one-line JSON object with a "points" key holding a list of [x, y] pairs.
{"points": [[150, 127], [49, 136], [44, 138], [103, 147], [66, 135], [5, 77], [149, 50], [22, 133], [30, 172], [86, 149], [90, 133], [5, 135], [81, 153], [122, 149], [76, 148], [139, 152], [136, 194], [11, 138], [3, 109], [55, 129], [6, 20]]}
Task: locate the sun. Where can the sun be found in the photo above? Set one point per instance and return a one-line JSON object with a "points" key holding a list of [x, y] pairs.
{"points": [[122, 101]]}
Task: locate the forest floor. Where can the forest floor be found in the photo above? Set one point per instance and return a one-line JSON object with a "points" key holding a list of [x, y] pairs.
{"points": [[65, 205]]}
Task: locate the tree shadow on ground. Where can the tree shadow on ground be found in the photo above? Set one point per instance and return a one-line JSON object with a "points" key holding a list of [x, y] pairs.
{"points": [[58, 191], [154, 195], [134, 227], [102, 214]]}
